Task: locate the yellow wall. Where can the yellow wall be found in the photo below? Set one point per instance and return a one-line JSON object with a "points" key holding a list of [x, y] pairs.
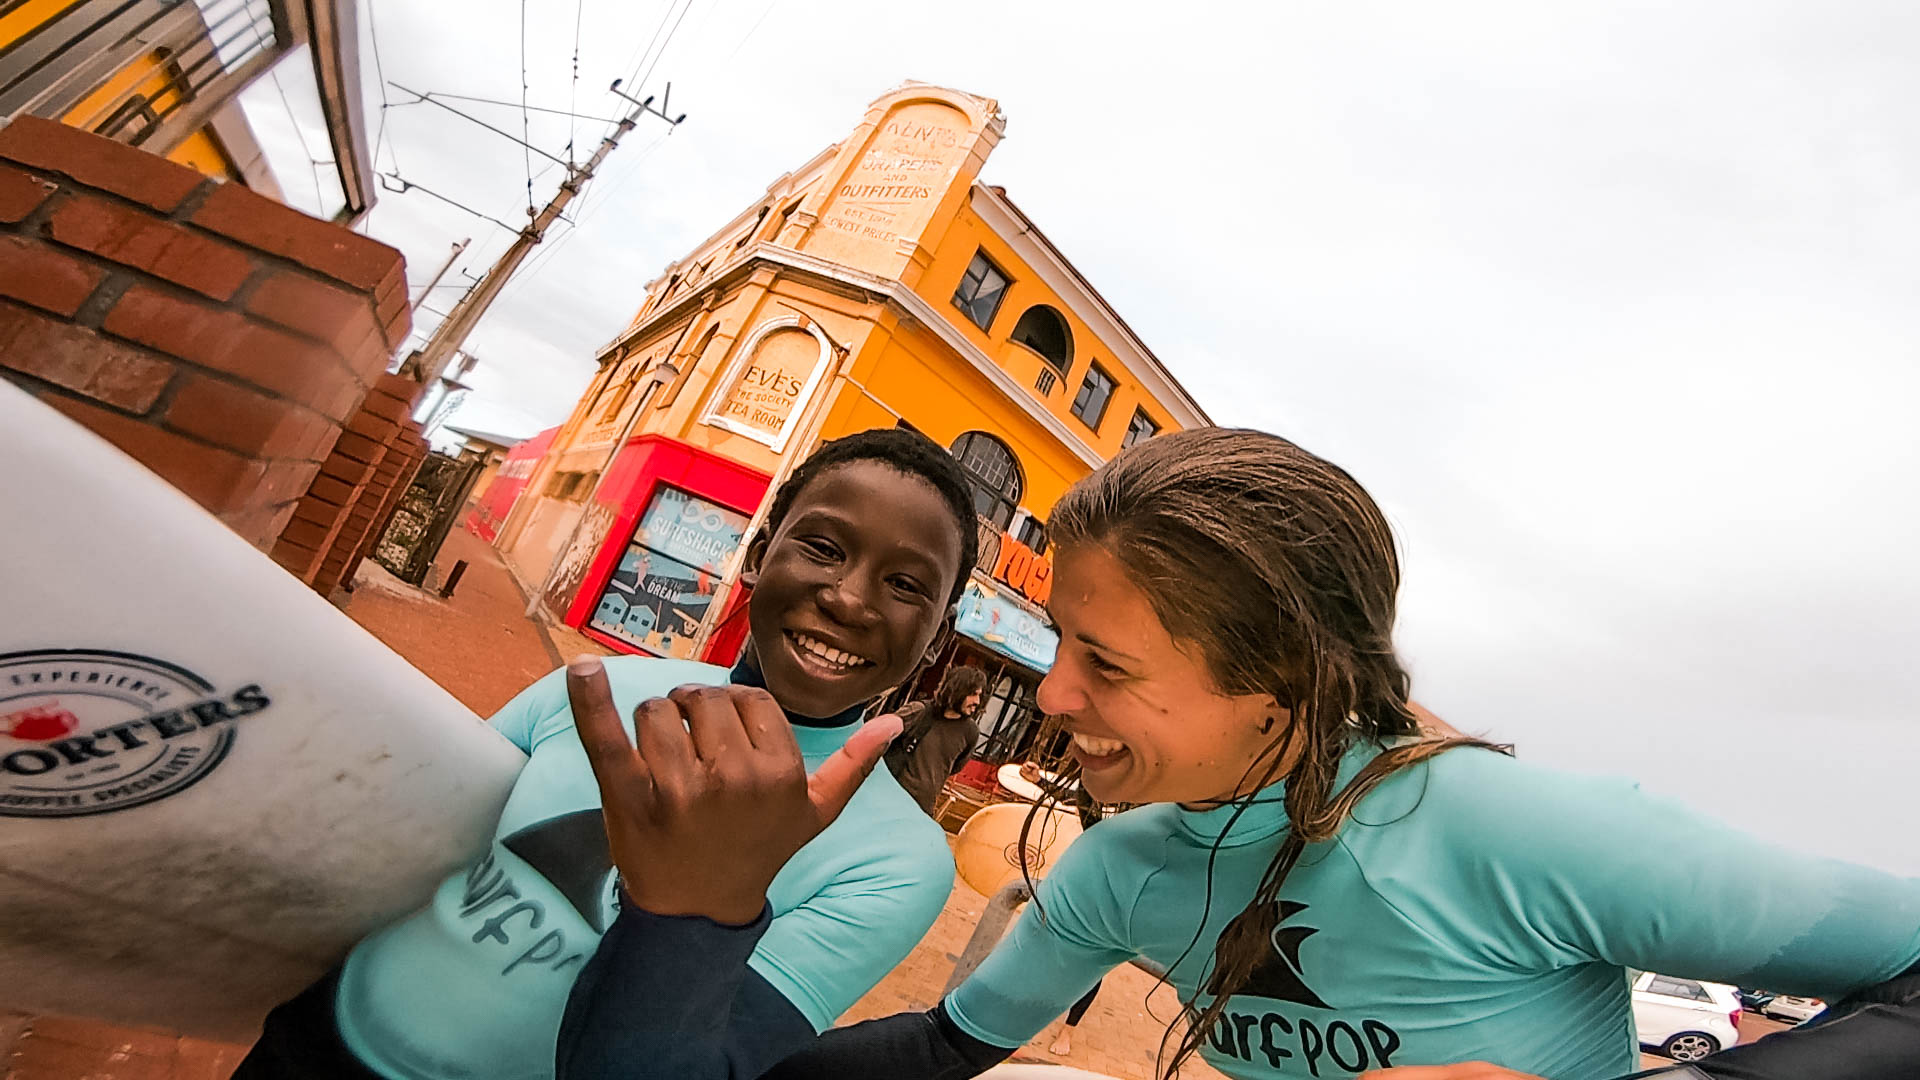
{"points": [[954, 254], [147, 76], [200, 151], [942, 395], [15, 24]]}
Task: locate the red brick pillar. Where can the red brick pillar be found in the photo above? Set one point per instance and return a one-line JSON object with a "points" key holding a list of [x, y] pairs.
{"points": [[321, 520], [217, 336], [369, 519]]}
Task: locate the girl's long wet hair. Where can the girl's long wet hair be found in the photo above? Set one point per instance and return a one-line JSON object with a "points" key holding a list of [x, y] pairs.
{"points": [[1280, 570]]}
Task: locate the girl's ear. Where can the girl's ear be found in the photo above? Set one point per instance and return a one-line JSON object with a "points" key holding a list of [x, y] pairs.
{"points": [[756, 555], [1269, 711]]}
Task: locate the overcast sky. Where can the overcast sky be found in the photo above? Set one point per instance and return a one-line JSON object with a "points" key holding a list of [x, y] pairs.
{"points": [[1610, 304]]}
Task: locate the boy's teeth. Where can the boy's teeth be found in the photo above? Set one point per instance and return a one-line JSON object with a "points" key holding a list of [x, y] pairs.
{"points": [[825, 652], [1097, 746]]}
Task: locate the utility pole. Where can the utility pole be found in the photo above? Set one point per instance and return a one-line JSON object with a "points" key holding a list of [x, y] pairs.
{"points": [[452, 333]]}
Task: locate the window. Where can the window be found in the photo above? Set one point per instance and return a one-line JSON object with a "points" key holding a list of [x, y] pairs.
{"points": [[994, 473], [617, 395], [786, 215], [570, 486], [1680, 988], [1043, 330], [1139, 429], [687, 363], [1032, 532], [981, 291], [615, 401], [1090, 404], [748, 235]]}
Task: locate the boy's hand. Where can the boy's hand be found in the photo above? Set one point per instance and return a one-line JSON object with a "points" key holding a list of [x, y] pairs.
{"points": [[715, 798]]}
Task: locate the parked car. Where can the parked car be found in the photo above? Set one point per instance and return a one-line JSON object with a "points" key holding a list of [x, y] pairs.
{"points": [[1797, 1010], [1685, 1019], [1755, 1000]]}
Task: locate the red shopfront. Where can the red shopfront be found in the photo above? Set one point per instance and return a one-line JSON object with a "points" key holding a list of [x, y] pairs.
{"points": [[498, 500], [678, 516]]}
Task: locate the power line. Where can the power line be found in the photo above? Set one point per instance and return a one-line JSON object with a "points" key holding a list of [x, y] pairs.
{"points": [[433, 99], [573, 94], [641, 83], [589, 205], [408, 185], [447, 338], [541, 258], [642, 57], [526, 132], [319, 195], [379, 69], [514, 105], [764, 12]]}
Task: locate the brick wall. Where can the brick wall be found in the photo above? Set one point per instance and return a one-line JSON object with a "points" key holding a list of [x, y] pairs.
{"points": [[223, 339], [390, 483], [370, 464]]}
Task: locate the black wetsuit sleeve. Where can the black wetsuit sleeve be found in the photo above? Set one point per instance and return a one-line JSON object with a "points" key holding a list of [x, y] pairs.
{"points": [[1871, 1035], [905, 1046], [672, 996]]}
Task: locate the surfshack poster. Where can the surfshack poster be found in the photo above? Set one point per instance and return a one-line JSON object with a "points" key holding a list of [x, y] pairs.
{"points": [[666, 578]]}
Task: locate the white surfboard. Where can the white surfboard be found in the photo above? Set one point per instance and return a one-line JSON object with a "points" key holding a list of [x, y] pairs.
{"points": [[212, 782]]}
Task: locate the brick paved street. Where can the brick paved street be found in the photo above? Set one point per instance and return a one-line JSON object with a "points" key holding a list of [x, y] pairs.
{"points": [[479, 644]]}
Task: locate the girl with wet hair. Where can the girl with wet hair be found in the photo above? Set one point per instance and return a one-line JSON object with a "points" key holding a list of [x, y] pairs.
{"points": [[1334, 888]]}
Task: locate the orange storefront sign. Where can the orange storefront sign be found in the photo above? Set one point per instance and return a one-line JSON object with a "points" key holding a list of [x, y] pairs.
{"points": [[1019, 567]]}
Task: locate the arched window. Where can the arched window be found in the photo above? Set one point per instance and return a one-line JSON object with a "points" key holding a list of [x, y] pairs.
{"points": [[994, 473], [1043, 330]]}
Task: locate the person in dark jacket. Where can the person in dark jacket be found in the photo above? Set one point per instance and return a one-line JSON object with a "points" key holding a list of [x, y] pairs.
{"points": [[937, 739]]}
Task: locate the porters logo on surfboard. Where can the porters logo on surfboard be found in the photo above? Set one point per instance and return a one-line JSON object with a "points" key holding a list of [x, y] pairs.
{"points": [[85, 731]]}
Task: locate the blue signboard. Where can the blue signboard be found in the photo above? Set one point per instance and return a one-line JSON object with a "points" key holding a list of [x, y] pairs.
{"points": [[666, 577], [690, 529], [1006, 627]]}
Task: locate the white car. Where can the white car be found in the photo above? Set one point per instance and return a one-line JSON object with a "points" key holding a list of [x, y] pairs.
{"points": [[1685, 1019], [1797, 1009]]}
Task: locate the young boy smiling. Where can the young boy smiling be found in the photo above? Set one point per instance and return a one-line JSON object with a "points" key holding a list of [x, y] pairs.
{"points": [[854, 576]]}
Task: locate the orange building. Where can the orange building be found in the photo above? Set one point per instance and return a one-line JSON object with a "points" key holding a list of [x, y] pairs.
{"points": [[879, 284]]}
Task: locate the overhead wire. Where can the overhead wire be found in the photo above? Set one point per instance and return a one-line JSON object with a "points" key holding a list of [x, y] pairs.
{"points": [[380, 137], [663, 36], [319, 193], [641, 81], [408, 185], [526, 129], [573, 94], [751, 30], [554, 244], [516, 105], [641, 58]]}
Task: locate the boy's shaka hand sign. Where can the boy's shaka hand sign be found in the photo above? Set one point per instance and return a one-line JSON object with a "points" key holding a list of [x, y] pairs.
{"points": [[715, 798]]}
